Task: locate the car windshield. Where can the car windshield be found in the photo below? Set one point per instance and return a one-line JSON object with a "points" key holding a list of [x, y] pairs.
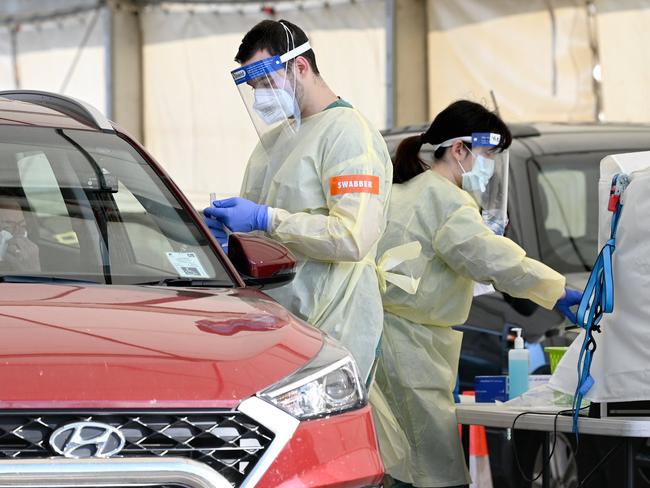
{"points": [[82, 205], [565, 195]]}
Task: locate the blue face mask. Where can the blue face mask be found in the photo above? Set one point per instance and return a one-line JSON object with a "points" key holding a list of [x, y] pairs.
{"points": [[476, 180]]}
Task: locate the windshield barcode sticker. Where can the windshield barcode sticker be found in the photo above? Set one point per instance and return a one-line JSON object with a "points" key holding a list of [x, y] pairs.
{"points": [[187, 265]]}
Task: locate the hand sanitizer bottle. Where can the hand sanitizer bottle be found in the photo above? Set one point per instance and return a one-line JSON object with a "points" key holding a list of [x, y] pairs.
{"points": [[518, 366]]}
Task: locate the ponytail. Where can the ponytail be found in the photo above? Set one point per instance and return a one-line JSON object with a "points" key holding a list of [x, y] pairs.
{"points": [[407, 162]]}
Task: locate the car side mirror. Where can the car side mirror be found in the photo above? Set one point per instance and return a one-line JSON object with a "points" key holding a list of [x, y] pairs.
{"points": [[262, 262]]}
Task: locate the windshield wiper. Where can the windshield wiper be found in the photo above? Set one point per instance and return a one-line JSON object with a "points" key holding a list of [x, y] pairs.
{"points": [[43, 279], [190, 282]]}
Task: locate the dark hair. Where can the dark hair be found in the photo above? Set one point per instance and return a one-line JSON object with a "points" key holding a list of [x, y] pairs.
{"points": [[459, 119], [272, 36]]}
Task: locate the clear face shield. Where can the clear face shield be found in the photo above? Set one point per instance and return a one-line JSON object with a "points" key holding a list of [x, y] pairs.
{"points": [[490, 185], [268, 89], [487, 181]]}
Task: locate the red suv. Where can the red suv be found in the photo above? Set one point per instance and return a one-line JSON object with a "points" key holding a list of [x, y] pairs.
{"points": [[133, 352]]}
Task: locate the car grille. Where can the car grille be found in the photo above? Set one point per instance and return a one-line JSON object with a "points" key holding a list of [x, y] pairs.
{"points": [[228, 441]]}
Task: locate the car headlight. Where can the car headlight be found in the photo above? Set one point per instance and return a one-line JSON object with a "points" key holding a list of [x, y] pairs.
{"points": [[328, 384]]}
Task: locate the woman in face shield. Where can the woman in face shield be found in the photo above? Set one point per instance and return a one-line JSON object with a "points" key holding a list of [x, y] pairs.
{"points": [[455, 209]]}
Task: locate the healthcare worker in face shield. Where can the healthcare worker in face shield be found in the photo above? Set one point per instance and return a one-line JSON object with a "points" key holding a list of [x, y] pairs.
{"points": [[456, 210], [318, 182]]}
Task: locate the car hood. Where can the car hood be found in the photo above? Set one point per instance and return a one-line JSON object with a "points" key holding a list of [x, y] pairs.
{"points": [[69, 346]]}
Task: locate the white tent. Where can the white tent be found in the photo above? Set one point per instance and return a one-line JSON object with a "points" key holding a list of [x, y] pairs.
{"points": [[558, 60]]}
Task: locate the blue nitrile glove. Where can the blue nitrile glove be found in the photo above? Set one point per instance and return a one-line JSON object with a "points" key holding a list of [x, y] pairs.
{"points": [[239, 214], [571, 298], [217, 230]]}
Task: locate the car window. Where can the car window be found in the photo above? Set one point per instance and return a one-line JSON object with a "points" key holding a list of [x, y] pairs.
{"points": [[565, 196], [565, 191], [148, 241], [44, 196], [92, 208]]}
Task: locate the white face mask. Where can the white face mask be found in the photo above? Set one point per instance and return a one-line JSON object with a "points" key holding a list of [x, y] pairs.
{"points": [[273, 105], [476, 180]]}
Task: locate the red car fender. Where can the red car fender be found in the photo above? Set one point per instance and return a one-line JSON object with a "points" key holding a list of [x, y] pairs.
{"points": [[340, 451]]}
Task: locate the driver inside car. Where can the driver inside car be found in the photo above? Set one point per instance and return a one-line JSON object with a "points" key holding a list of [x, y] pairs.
{"points": [[17, 253]]}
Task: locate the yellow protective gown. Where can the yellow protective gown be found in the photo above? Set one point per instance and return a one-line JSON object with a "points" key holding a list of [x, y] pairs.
{"points": [[420, 351], [329, 186]]}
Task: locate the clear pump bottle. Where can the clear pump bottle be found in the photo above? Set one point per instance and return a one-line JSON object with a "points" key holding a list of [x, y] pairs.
{"points": [[518, 366]]}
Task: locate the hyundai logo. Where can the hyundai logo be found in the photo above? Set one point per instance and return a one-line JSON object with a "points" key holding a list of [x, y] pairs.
{"points": [[86, 440]]}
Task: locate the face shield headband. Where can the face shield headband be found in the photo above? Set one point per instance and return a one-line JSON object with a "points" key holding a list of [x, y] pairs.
{"points": [[489, 139], [266, 66]]}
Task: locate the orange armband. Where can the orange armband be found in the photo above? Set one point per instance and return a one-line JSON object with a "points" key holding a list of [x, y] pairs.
{"points": [[340, 185]]}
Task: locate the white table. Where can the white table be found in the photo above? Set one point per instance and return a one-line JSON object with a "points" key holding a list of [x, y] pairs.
{"points": [[500, 416]]}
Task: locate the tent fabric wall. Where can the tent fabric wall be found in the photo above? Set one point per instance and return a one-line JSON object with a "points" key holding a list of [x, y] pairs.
{"points": [[6, 63], [47, 52], [195, 122], [624, 38], [534, 55], [508, 46]]}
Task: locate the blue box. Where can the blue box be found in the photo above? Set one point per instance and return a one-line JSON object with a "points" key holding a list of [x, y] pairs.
{"points": [[489, 389]]}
